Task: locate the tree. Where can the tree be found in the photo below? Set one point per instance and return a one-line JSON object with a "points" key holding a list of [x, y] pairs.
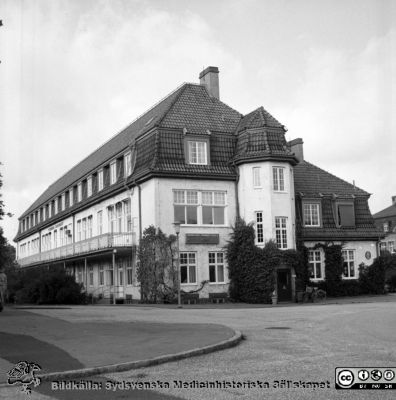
{"points": [[156, 271]]}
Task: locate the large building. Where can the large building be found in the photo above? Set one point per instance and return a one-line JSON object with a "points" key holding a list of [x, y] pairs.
{"points": [[193, 159], [386, 222]]}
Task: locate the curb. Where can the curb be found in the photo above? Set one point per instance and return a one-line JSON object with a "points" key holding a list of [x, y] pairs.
{"points": [[84, 372]]}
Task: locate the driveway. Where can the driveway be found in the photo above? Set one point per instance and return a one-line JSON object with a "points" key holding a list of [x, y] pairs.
{"points": [[290, 343]]}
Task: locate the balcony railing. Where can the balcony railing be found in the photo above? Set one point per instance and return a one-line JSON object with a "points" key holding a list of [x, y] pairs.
{"points": [[96, 243]]}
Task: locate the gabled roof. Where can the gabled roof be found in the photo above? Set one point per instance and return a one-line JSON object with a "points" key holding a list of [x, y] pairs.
{"points": [[388, 212], [190, 106], [312, 180], [257, 119]]}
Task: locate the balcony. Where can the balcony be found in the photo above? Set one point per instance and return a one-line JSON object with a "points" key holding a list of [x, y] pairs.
{"points": [[95, 244]]}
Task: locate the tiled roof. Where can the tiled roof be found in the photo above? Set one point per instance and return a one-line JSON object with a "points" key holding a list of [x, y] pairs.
{"points": [[189, 106], [313, 186], [386, 213], [312, 180], [258, 118]]}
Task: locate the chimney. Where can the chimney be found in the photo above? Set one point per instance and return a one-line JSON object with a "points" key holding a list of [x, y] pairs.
{"points": [[209, 77], [296, 147], [393, 200]]}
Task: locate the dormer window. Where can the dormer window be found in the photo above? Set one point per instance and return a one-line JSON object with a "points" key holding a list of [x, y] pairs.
{"points": [[345, 214], [63, 201], [386, 226], [197, 152], [127, 164], [79, 192], [100, 180], [89, 186], [311, 214], [113, 172]]}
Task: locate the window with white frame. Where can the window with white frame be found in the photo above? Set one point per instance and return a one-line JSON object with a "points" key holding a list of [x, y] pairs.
{"points": [[199, 207], [186, 206], [110, 275], [216, 267], [100, 222], [71, 197], [311, 214], [79, 192], [56, 206], [63, 201], [91, 275], [49, 210], [100, 180], [188, 268], [89, 186], [281, 232], [127, 215], [119, 217], [385, 225], [213, 204], [111, 218], [278, 178], [391, 246], [382, 247], [256, 177], [315, 261], [349, 263], [55, 238], [127, 164], [259, 227], [113, 172], [120, 275], [89, 226], [84, 228], [197, 152], [79, 230]]}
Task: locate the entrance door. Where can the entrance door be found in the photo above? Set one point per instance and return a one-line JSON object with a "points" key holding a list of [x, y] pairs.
{"points": [[284, 285]]}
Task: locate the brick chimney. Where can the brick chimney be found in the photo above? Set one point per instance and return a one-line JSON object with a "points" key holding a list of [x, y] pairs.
{"points": [[209, 77], [393, 200], [296, 147]]}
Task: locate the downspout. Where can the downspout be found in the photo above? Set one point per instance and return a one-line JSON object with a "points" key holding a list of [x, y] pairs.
{"points": [[236, 190]]}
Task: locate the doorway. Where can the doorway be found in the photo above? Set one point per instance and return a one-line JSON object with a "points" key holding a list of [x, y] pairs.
{"points": [[284, 285]]}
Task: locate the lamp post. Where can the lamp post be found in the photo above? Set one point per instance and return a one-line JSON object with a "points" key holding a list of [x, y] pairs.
{"points": [[177, 231]]}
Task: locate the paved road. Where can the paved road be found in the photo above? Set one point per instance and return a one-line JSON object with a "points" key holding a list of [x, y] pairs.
{"points": [[315, 339]]}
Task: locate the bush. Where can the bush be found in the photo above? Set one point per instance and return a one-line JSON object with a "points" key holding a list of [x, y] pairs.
{"points": [[372, 278], [43, 286], [391, 281]]}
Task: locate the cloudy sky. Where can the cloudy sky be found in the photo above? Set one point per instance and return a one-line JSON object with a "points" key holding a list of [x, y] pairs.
{"points": [[73, 73]]}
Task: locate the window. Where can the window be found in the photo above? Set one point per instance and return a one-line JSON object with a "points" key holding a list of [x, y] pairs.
{"points": [[127, 165], [345, 214], [101, 275], [91, 276], [213, 208], [197, 152], [186, 206], [311, 214], [129, 275], [391, 247], [382, 248], [100, 222], [194, 207], [71, 198], [63, 201], [79, 191], [119, 217], [349, 263], [55, 206], [79, 230], [49, 210], [259, 227], [100, 180], [256, 177], [188, 268], [127, 215], [55, 237], [216, 267], [386, 226], [89, 226], [110, 276], [315, 264], [278, 179], [111, 218], [121, 276], [113, 172], [281, 232], [89, 186], [84, 228]]}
